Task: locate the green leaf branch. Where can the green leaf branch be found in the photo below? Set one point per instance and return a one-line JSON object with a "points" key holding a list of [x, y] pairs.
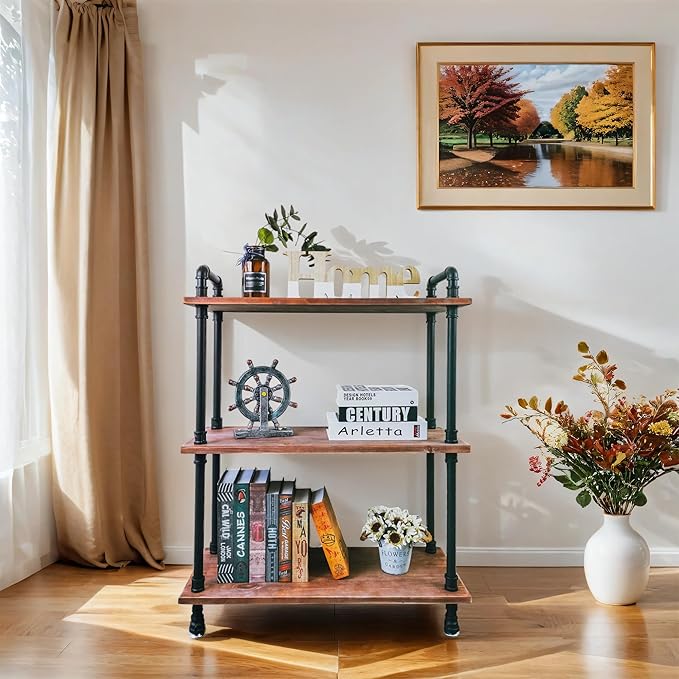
{"points": [[283, 227]]}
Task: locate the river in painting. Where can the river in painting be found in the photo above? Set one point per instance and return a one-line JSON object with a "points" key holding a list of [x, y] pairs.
{"points": [[537, 165]]}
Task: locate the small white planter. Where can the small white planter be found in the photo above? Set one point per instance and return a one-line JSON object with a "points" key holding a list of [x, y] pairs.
{"points": [[617, 562], [395, 560]]}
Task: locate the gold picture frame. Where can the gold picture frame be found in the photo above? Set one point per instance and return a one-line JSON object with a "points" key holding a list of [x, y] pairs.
{"points": [[478, 153]]}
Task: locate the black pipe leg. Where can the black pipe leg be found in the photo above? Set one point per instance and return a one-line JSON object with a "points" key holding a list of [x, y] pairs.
{"points": [[198, 578], [215, 483], [431, 424], [431, 504], [451, 626], [197, 624]]}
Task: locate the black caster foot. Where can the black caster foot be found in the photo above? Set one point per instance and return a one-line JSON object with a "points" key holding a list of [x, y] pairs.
{"points": [[451, 627], [197, 624]]}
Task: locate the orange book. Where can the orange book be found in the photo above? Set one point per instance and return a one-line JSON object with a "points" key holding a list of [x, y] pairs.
{"points": [[329, 533]]}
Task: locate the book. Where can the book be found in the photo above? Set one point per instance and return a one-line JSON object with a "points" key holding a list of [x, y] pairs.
{"points": [[379, 395], [377, 413], [285, 498], [378, 431], [241, 526], [258, 487], [271, 562], [225, 570], [329, 533], [300, 535]]}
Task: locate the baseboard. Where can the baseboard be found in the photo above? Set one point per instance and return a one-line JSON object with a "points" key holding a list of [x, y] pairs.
{"points": [[492, 556], [539, 556]]}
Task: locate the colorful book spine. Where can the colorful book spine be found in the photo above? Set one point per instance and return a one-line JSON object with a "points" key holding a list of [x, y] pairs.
{"points": [[377, 413], [225, 560], [241, 526], [271, 573], [330, 535], [258, 525], [378, 395], [300, 536], [285, 531], [378, 431]]}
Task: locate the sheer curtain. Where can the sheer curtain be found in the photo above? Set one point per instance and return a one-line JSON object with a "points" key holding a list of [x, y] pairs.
{"points": [[27, 541]]}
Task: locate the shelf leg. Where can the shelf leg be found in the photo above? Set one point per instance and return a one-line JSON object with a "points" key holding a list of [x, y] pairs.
{"points": [[197, 624], [198, 578], [215, 482], [217, 320], [451, 568], [431, 424], [451, 626], [200, 434]]}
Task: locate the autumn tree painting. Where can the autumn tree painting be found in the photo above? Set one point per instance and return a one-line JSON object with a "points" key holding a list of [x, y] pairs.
{"points": [[535, 125]]}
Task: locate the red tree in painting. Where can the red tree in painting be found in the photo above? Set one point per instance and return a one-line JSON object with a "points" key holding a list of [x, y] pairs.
{"points": [[469, 93]]}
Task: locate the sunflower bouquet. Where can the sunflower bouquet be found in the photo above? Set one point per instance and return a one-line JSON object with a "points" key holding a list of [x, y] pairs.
{"points": [[608, 455], [394, 526]]}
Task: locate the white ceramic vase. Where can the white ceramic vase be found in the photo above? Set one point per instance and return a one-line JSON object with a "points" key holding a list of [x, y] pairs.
{"points": [[617, 562]]}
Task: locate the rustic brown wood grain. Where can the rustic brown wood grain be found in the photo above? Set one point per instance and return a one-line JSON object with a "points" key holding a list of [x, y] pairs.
{"points": [[402, 305], [315, 440], [366, 584]]}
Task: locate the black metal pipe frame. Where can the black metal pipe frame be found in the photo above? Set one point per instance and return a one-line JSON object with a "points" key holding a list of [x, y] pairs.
{"points": [[451, 626], [431, 424], [203, 275]]}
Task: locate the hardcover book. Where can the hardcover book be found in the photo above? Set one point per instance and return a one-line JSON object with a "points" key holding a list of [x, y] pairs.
{"points": [[225, 570], [329, 533], [377, 413], [241, 525], [378, 431], [300, 535], [258, 524], [285, 531], [271, 563], [378, 395]]}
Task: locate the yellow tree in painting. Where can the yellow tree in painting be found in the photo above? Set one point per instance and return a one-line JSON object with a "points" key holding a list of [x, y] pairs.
{"points": [[608, 108]]}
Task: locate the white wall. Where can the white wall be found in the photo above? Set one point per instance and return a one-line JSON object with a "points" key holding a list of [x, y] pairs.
{"points": [[255, 102]]}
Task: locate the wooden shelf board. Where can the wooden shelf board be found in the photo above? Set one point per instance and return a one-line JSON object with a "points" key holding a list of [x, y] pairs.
{"points": [[406, 305], [314, 440], [366, 584]]}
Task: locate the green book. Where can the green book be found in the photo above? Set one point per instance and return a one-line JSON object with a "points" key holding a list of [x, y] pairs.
{"points": [[241, 526]]}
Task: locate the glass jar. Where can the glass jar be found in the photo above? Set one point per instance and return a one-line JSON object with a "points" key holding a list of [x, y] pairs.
{"points": [[255, 268]]}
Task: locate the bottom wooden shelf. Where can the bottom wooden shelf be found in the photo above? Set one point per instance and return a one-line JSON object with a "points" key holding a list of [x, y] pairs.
{"points": [[423, 584]]}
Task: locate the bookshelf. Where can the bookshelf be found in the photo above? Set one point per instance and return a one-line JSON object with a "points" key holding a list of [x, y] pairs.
{"points": [[432, 577]]}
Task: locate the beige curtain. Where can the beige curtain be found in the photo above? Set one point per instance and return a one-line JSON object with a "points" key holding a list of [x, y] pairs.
{"points": [[105, 496]]}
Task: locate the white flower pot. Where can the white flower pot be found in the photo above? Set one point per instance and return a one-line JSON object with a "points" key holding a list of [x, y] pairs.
{"points": [[395, 560], [617, 562]]}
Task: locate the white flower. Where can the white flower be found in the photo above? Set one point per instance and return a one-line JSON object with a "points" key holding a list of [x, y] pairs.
{"points": [[555, 436]]}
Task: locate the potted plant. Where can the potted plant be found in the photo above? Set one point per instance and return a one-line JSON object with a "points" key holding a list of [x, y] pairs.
{"points": [[609, 456], [395, 530]]}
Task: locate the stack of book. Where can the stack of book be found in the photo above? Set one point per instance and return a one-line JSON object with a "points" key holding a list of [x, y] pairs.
{"points": [[263, 529], [385, 412]]}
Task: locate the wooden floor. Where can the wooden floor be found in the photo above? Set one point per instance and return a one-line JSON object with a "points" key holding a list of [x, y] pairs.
{"points": [[540, 622]]}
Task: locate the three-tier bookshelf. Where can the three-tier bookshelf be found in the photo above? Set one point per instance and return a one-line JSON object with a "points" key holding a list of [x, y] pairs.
{"points": [[432, 578]]}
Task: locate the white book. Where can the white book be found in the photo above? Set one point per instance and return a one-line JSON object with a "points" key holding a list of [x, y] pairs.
{"points": [[378, 395], [376, 431]]}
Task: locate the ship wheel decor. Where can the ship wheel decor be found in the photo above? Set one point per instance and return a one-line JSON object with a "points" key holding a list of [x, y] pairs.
{"points": [[262, 395]]}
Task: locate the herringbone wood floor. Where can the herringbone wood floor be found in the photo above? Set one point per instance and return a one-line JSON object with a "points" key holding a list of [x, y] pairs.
{"points": [[525, 622]]}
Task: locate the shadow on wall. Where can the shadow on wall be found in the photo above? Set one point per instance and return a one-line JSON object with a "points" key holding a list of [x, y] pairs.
{"points": [[350, 250], [511, 342]]}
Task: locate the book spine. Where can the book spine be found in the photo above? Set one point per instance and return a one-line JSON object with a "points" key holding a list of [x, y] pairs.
{"points": [[257, 532], [333, 546], [377, 413], [224, 541], [285, 539], [300, 542], [272, 538], [241, 512]]}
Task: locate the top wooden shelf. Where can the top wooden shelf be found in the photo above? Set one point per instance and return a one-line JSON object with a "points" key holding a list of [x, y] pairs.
{"points": [[401, 305]]}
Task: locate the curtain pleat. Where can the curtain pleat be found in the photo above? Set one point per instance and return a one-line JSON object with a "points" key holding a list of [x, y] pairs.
{"points": [[106, 502]]}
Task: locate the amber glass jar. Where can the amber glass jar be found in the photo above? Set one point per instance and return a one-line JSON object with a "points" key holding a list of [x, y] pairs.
{"points": [[255, 272]]}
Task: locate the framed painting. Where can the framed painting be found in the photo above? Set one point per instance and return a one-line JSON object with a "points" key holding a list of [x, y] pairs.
{"points": [[529, 125]]}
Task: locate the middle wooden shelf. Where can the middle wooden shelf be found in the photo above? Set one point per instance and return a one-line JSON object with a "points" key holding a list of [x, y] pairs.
{"points": [[314, 440]]}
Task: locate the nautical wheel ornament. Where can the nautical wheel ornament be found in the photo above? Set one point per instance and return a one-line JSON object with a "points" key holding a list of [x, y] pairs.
{"points": [[262, 396]]}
